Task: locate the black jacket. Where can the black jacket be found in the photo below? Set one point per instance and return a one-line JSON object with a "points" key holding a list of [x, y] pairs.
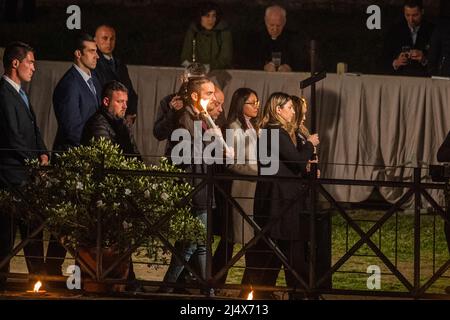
{"points": [[20, 136], [103, 124], [399, 36], [282, 197], [260, 47], [439, 55], [443, 154], [119, 72]]}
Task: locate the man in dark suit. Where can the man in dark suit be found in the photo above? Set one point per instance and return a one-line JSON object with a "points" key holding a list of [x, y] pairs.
{"points": [[439, 55], [407, 43], [75, 99], [109, 67], [20, 140]]}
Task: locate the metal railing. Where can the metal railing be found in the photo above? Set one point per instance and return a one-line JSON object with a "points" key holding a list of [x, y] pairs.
{"points": [[311, 286]]}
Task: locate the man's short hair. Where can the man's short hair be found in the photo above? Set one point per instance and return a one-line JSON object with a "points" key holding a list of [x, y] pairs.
{"points": [[413, 4], [104, 25], [79, 41], [15, 50], [112, 86], [276, 8]]}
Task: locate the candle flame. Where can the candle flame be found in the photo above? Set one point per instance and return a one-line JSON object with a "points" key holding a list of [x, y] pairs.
{"points": [[204, 103], [37, 286], [250, 296]]}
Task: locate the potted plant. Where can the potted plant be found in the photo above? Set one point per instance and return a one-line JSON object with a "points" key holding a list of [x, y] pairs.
{"points": [[80, 200]]}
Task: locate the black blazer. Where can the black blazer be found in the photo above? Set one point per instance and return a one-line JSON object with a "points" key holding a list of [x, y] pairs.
{"points": [[282, 197], [439, 55], [18, 133], [105, 73], [74, 104], [400, 35]]}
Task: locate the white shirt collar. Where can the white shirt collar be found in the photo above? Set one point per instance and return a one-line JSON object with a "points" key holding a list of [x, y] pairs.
{"points": [[416, 29], [85, 76], [11, 82], [107, 57]]}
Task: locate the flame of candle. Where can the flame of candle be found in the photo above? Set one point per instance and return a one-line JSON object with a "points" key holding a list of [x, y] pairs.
{"points": [[250, 296], [204, 103], [37, 286]]}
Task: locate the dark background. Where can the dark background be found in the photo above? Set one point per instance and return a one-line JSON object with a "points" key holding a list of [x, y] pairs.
{"points": [[151, 32]]}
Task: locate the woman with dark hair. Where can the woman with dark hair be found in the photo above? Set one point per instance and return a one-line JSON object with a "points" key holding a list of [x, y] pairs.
{"points": [[242, 116], [278, 203], [208, 39]]}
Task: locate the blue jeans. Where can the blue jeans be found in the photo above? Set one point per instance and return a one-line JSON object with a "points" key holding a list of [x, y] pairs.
{"points": [[187, 250]]}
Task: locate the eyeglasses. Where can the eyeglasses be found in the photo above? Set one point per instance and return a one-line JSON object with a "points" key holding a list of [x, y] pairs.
{"points": [[254, 104]]}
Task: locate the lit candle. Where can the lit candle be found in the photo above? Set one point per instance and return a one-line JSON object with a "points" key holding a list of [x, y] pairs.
{"points": [[36, 290]]}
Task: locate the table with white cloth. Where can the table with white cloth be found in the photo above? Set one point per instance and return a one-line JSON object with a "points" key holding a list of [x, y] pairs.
{"points": [[371, 127]]}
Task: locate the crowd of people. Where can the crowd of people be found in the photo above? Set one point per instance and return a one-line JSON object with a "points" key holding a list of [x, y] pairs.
{"points": [[95, 98]]}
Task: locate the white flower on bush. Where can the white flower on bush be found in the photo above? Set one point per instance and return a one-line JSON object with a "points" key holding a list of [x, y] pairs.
{"points": [[127, 192], [164, 196], [147, 194], [79, 185], [127, 225], [100, 204]]}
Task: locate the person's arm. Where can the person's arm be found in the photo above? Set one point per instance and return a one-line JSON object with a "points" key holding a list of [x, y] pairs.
{"points": [[434, 53], [443, 154], [241, 138], [43, 151], [186, 52], [294, 159], [165, 121], [225, 58], [67, 112], [13, 136]]}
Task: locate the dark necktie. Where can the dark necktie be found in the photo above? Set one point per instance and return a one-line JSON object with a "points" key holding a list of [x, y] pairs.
{"points": [[111, 64]]}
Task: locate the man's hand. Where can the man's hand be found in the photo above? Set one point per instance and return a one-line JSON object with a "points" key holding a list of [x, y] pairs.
{"points": [[417, 55], [402, 60], [176, 103], [284, 68], [270, 67], [129, 119], [43, 159]]}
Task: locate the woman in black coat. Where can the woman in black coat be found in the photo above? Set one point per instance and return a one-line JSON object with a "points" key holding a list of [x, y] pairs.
{"points": [[279, 202]]}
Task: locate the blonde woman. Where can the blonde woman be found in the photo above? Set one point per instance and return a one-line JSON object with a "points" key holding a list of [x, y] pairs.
{"points": [[302, 134], [278, 202]]}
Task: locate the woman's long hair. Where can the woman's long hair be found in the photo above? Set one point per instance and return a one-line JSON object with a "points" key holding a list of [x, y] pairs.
{"points": [[299, 103], [236, 111], [270, 116]]}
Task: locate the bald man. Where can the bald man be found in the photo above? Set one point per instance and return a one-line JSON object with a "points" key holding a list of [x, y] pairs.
{"points": [[110, 68], [275, 41]]}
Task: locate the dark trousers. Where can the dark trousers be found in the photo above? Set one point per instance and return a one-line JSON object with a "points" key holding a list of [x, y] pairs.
{"points": [[263, 265], [223, 254], [34, 251], [55, 257]]}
